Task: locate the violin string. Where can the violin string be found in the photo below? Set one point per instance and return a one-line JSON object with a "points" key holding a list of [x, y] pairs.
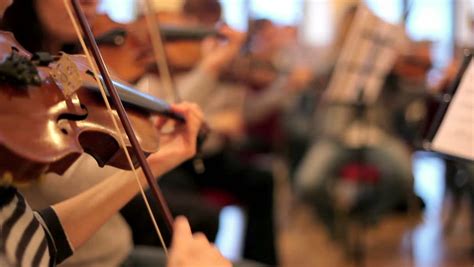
{"points": [[159, 51], [114, 120]]}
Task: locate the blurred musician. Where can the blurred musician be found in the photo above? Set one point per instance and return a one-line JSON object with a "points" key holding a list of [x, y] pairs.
{"points": [[353, 146]]}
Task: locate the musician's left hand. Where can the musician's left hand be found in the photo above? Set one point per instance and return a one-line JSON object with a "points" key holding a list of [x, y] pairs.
{"points": [[179, 143], [218, 54]]}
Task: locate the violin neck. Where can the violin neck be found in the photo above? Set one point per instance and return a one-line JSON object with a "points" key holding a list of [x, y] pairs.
{"points": [[171, 33], [133, 97], [116, 36]]}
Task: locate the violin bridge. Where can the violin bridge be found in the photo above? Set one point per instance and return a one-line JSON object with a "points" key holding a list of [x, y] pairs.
{"points": [[67, 75]]}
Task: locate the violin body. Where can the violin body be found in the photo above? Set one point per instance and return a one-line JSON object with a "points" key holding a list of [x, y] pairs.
{"points": [[127, 48], [42, 130], [33, 137]]}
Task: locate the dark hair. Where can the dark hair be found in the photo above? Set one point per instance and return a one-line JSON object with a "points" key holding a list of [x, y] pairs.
{"points": [[256, 25], [22, 20], [207, 11]]}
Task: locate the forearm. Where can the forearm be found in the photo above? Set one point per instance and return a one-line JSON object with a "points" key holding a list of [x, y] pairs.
{"points": [[82, 215]]}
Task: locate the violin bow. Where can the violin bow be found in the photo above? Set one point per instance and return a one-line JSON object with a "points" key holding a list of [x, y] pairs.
{"points": [[407, 8], [159, 53], [167, 80], [79, 18]]}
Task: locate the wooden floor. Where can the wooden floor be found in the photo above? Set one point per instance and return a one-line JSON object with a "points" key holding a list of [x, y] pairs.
{"points": [[402, 240], [396, 241]]}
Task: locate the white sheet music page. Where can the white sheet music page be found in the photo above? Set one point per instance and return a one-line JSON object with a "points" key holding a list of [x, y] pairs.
{"points": [[455, 135], [368, 54]]}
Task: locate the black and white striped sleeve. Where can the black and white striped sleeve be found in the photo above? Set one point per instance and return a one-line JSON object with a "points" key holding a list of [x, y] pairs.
{"points": [[57, 238], [30, 239]]}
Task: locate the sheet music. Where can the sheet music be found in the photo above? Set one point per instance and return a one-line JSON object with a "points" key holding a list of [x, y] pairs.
{"points": [[455, 135], [368, 54]]}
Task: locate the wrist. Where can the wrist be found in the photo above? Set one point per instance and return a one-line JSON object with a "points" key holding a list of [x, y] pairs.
{"points": [[209, 69], [165, 162]]}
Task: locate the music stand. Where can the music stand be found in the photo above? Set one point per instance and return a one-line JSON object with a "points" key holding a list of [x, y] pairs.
{"points": [[440, 120]]}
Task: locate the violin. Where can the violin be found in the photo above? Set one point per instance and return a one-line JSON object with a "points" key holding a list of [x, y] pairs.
{"points": [[132, 43], [34, 104], [34, 134]]}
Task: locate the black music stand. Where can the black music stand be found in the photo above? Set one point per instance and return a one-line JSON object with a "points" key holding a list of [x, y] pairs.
{"points": [[443, 108], [458, 161]]}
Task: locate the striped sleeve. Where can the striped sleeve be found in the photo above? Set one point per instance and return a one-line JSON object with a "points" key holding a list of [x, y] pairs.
{"points": [[57, 238], [23, 241]]}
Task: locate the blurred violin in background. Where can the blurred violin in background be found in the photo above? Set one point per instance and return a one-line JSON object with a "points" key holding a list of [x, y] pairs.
{"points": [[416, 63], [127, 48]]}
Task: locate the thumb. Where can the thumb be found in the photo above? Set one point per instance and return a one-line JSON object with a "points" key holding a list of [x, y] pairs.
{"points": [[182, 231]]}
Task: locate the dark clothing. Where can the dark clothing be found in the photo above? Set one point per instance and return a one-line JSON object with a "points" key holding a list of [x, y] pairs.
{"points": [[250, 187], [253, 189], [183, 199]]}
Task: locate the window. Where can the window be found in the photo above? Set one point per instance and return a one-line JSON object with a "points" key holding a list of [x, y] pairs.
{"points": [[433, 20], [280, 11], [389, 10], [119, 10], [234, 13], [427, 20]]}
